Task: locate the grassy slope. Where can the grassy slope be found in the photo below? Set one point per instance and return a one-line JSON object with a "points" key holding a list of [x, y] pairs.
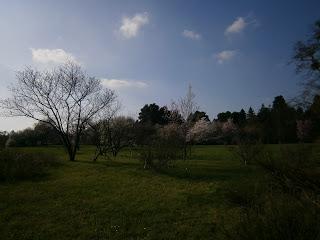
{"points": [[120, 200]]}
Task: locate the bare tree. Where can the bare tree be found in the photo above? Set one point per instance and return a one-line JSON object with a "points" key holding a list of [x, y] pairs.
{"points": [[113, 134], [186, 106], [307, 61], [66, 98], [101, 130]]}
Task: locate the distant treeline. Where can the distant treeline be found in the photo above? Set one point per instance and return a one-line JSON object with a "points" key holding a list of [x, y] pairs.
{"points": [[277, 123]]}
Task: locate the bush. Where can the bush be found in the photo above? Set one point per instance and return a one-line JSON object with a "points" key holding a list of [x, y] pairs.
{"points": [[265, 212], [18, 165], [248, 152], [246, 194], [296, 170], [281, 217], [285, 205], [249, 147], [165, 146], [3, 139]]}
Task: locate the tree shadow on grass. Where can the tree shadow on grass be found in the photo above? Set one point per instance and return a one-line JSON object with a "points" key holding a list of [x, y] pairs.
{"points": [[111, 163], [207, 174], [210, 198], [192, 172], [41, 177]]}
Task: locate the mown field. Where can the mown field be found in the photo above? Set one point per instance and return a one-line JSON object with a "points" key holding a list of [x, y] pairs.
{"points": [[118, 199]]}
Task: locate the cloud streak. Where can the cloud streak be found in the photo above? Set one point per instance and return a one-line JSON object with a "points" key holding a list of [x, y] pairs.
{"points": [[121, 83], [130, 27], [191, 34], [44, 55], [225, 55]]}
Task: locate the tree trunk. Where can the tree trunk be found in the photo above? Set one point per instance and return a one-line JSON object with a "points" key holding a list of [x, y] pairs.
{"points": [[185, 152], [68, 146], [98, 152], [72, 158], [72, 155], [72, 150], [146, 165]]}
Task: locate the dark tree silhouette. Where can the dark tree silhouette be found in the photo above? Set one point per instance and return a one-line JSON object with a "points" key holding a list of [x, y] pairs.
{"points": [[224, 116], [313, 114], [239, 118], [153, 114], [3, 139], [251, 115], [283, 120], [307, 60], [197, 115]]}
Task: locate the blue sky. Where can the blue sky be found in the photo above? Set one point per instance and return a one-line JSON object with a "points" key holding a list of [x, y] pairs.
{"points": [[234, 53]]}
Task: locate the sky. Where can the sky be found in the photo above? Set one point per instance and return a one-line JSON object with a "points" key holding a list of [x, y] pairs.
{"points": [[235, 54]]}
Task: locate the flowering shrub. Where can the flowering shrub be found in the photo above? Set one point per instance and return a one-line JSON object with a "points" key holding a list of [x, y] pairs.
{"points": [[200, 132]]}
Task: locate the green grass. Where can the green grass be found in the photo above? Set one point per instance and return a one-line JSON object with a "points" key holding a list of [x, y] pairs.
{"points": [[119, 200]]}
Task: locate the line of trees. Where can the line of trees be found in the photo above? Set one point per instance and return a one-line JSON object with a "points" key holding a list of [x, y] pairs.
{"points": [[278, 123]]}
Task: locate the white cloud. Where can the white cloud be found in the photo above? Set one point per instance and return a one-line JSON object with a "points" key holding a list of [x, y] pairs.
{"points": [[44, 55], [191, 34], [225, 55], [121, 83], [237, 26], [241, 23], [130, 26]]}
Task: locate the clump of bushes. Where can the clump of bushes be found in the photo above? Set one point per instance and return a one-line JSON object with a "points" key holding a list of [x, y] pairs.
{"points": [[246, 194], [165, 146], [283, 205], [294, 169], [19, 165], [278, 216], [248, 151], [249, 147]]}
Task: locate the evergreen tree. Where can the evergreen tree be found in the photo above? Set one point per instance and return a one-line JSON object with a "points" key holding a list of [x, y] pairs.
{"points": [[283, 121], [251, 115]]}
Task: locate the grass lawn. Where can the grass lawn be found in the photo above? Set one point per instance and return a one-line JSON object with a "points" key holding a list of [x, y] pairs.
{"points": [[119, 200]]}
